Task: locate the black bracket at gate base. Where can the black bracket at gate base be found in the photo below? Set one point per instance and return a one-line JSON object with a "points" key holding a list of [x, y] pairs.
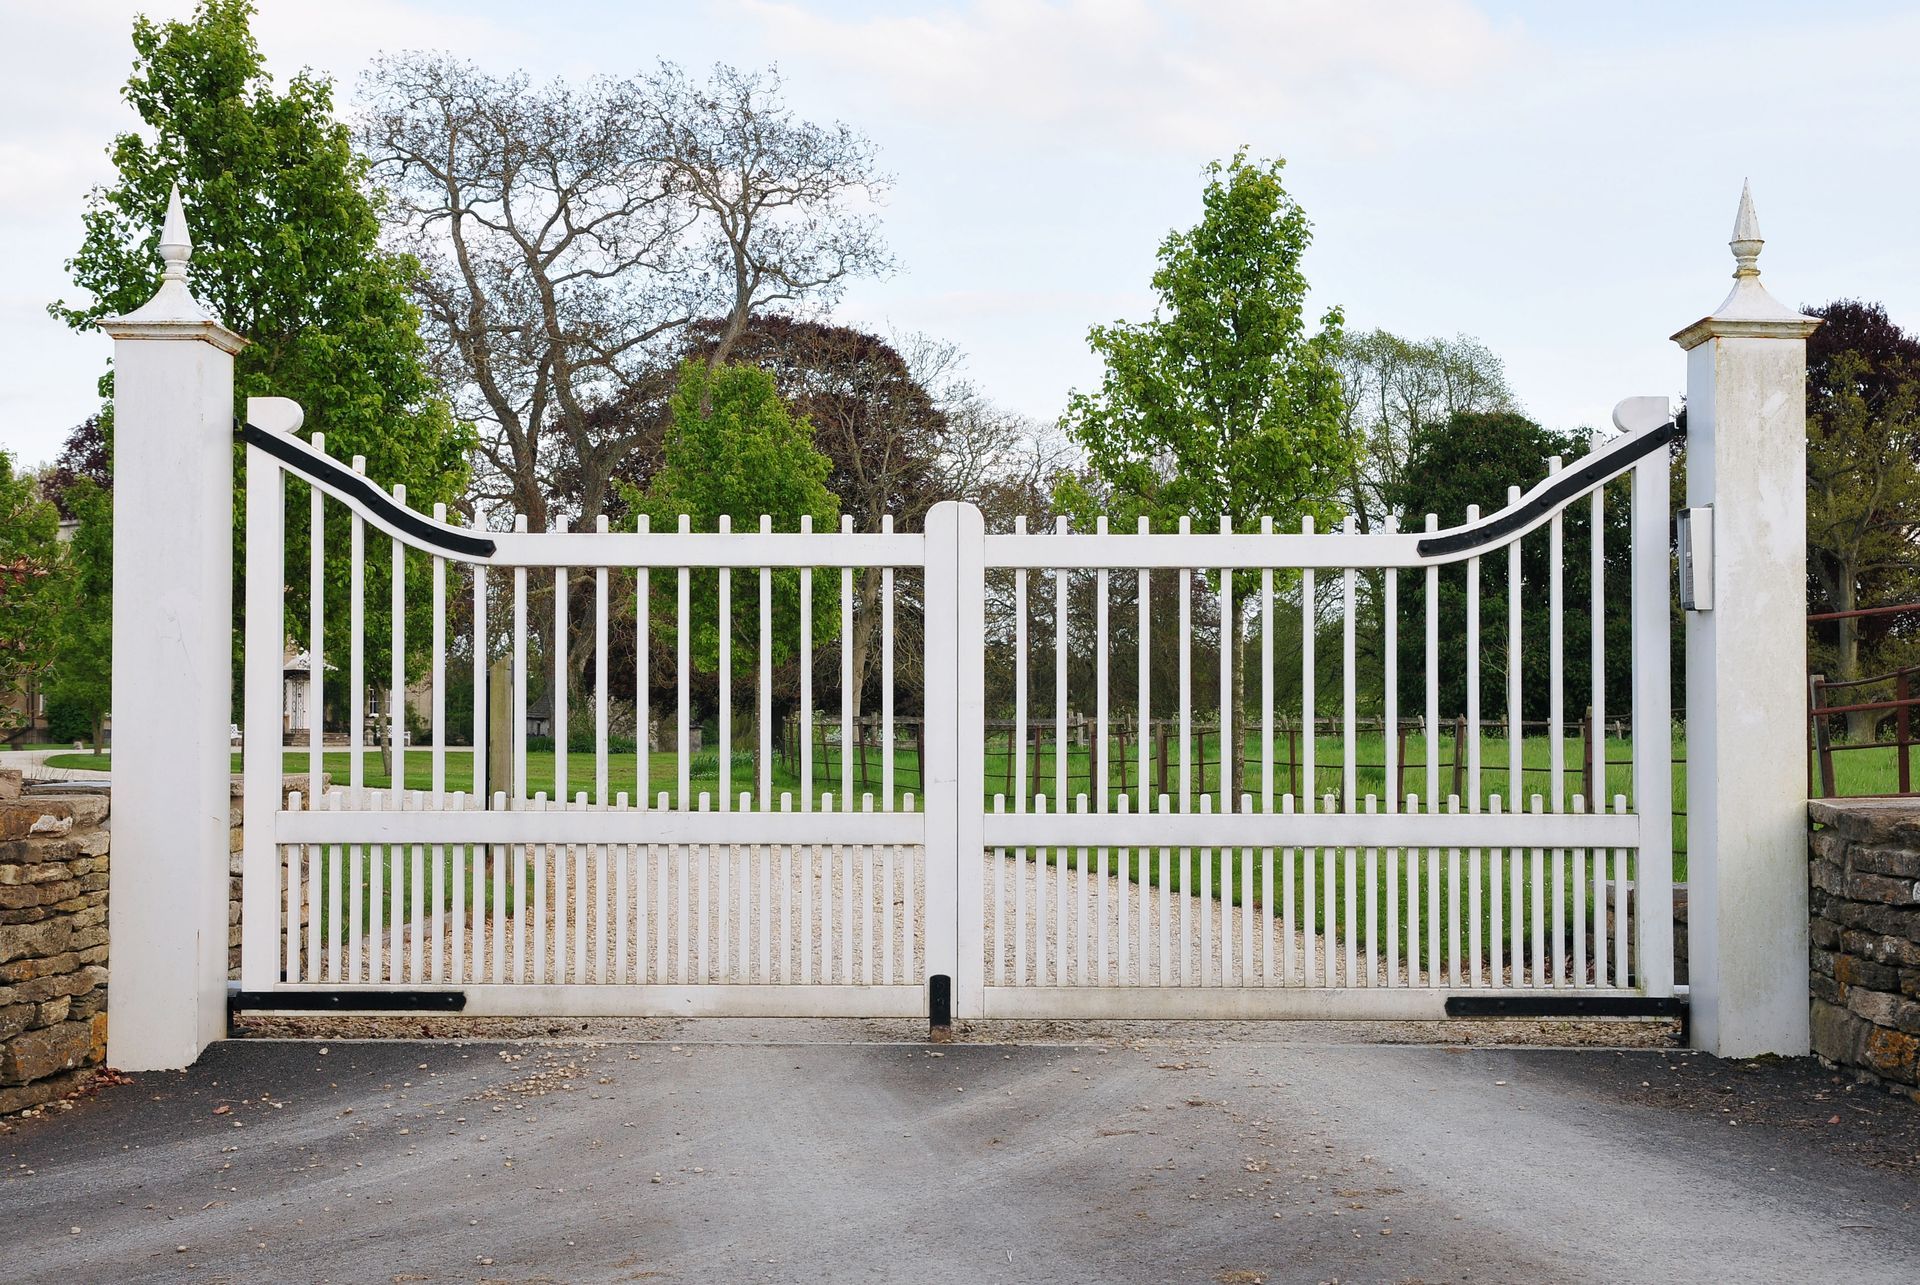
{"points": [[939, 1003], [1572, 1006], [346, 1001]]}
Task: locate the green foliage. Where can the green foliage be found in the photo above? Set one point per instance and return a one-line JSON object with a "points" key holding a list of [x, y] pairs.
{"points": [[1863, 490], [1222, 404], [32, 584], [286, 251], [1391, 386], [68, 720], [83, 663], [1864, 506], [735, 451], [1472, 459]]}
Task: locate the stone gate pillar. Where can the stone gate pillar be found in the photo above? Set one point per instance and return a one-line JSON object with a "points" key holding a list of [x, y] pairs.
{"points": [[1746, 666], [172, 670]]}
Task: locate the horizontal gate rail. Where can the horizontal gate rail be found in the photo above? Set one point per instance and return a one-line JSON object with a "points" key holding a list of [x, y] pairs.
{"points": [[1312, 830], [1217, 1003], [1331, 550], [595, 1000], [669, 549], [602, 827]]}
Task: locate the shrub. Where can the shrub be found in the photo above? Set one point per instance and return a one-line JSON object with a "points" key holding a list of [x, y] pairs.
{"points": [[581, 742], [68, 720]]}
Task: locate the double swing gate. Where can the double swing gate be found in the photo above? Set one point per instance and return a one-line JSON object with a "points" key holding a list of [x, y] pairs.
{"points": [[606, 882]]}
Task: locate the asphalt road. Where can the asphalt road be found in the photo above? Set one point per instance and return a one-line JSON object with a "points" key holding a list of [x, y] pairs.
{"points": [[1229, 1161]]}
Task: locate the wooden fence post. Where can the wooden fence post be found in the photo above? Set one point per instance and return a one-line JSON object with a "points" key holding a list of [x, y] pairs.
{"points": [[1200, 757], [1293, 760], [1039, 742], [1460, 753], [1587, 767], [860, 732], [1399, 785]]}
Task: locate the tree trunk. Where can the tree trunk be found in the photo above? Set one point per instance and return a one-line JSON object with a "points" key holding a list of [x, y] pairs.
{"points": [[1860, 723], [866, 623], [1234, 759]]}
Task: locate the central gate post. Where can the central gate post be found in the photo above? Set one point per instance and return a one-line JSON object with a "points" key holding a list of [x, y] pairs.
{"points": [[1747, 666], [172, 668], [953, 706]]}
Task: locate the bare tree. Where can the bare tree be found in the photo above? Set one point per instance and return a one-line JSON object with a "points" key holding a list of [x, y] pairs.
{"points": [[785, 204], [569, 233], [553, 252], [1394, 385]]}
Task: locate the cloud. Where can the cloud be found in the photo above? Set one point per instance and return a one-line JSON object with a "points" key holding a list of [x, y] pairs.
{"points": [[1175, 76]]}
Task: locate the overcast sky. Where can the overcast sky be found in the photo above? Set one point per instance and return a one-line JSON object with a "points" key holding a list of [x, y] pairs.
{"points": [[1558, 180]]}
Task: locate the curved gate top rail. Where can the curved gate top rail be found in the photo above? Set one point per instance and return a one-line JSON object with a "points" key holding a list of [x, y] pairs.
{"points": [[1524, 513]]}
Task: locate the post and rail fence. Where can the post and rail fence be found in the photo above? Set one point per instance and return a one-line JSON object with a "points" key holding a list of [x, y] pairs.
{"points": [[1891, 696]]}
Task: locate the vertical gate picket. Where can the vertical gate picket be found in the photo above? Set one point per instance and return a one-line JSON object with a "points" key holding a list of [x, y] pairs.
{"points": [[1652, 721], [260, 747]]}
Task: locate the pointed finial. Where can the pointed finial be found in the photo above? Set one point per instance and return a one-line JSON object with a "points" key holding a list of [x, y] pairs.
{"points": [[1748, 311], [1746, 240], [173, 312], [176, 246]]}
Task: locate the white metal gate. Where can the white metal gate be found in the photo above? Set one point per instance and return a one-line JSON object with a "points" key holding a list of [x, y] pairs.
{"points": [[1131, 901]]}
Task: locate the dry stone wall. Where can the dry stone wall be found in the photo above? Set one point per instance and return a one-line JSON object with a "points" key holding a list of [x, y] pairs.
{"points": [[53, 941], [236, 841], [1865, 902]]}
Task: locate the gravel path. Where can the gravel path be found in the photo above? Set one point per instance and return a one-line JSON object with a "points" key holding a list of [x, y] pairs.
{"points": [[1047, 925]]}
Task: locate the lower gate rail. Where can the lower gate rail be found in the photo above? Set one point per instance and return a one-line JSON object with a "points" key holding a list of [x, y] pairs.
{"points": [[522, 873]]}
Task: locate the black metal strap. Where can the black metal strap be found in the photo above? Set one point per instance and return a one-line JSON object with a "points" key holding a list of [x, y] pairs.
{"points": [[1564, 488], [318, 468], [1565, 1006], [347, 1001]]}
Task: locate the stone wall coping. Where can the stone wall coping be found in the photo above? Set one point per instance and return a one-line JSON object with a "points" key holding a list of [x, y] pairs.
{"points": [[1869, 820], [289, 782]]}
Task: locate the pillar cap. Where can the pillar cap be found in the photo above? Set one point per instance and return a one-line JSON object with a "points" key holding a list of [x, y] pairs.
{"points": [[173, 312], [1748, 310]]}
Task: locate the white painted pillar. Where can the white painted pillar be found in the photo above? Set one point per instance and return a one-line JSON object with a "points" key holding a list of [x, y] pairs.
{"points": [[953, 771], [1747, 668], [940, 768], [172, 663]]}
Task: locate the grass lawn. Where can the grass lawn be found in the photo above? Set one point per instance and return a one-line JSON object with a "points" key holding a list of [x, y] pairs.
{"points": [[1369, 752], [1859, 772]]}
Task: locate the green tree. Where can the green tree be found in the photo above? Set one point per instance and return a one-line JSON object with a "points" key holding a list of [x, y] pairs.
{"points": [[1863, 489], [287, 252], [1471, 459], [1223, 404], [734, 450], [83, 660], [32, 588], [1393, 386]]}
